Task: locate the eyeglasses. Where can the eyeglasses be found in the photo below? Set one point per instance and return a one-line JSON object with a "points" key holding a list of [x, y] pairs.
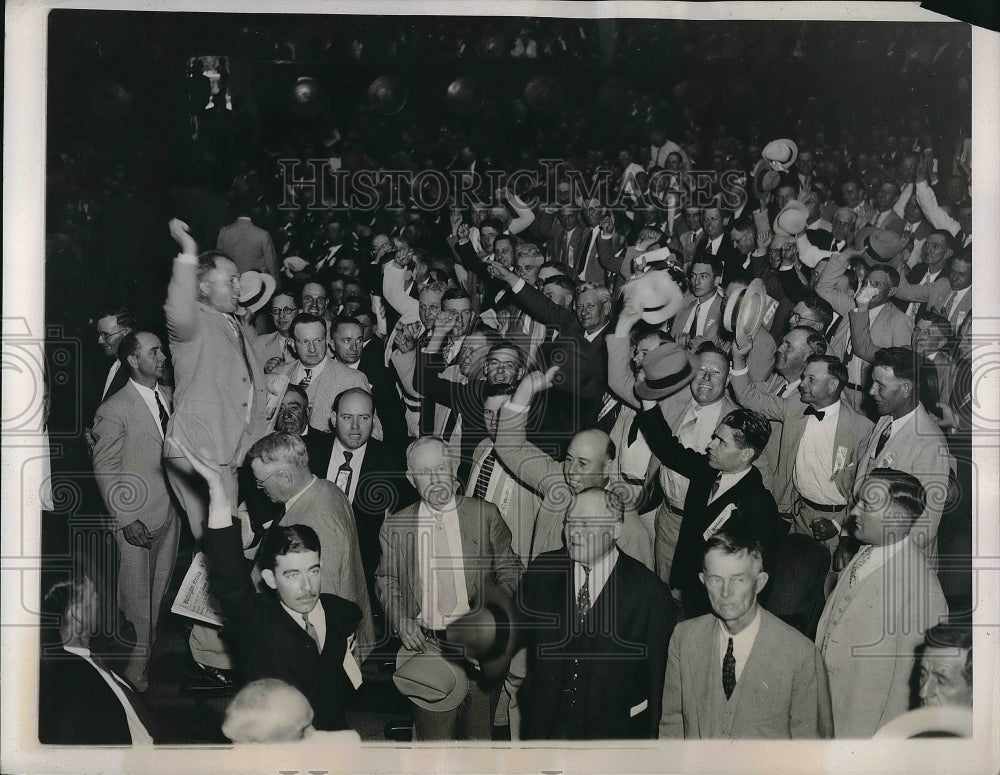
{"points": [[276, 311], [105, 337], [260, 482], [795, 317]]}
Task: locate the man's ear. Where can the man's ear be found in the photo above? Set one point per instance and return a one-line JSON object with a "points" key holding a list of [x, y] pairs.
{"points": [[133, 362], [747, 453], [761, 582], [701, 578], [409, 478], [268, 575]]}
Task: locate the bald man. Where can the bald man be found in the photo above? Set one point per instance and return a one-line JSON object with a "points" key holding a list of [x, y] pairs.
{"points": [[588, 464], [599, 627]]}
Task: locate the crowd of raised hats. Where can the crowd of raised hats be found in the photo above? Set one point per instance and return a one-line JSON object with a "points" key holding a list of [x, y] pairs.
{"points": [[730, 322]]}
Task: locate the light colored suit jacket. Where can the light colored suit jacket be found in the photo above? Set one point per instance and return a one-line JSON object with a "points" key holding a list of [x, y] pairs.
{"points": [[918, 448], [892, 328], [272, 345], [544, 475], [782, 692], [852, 430], [713, 323], [249, 247], [937, 296], [868, 635], [486, 552], [211, 379], [518, 505], [128, 460]]}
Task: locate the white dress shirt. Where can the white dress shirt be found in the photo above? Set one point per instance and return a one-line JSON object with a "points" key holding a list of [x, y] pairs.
{"points": [[742, 642], [317, 618], [430, 566], [715, 244], [337, 460], [299, 372], [600, 571], [149, 398], [117, 364], [728, 481], [703, 307], [813, 470]]}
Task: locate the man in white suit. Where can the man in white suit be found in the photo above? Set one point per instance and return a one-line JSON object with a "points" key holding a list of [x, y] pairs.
{"points": [[885, 599], [128, 458]]}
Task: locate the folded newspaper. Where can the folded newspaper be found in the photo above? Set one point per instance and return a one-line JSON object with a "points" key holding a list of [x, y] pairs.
{"points": [[194, 600]]}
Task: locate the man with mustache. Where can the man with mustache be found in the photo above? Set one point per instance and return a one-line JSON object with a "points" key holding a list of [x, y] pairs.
{"points": [[297, 634]]}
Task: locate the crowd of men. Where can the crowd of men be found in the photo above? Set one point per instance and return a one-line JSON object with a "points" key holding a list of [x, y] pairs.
{"points": [[371, 425]]}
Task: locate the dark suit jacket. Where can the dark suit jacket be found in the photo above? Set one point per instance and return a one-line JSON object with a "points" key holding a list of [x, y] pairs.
{"points": [[626, 657], [385, 395], [269, 644], [382, 486], [755, 512], [95, 384], [584, 364], [76, 706]]}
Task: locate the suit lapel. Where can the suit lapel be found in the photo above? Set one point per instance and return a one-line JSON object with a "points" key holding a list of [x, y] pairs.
{"points": [[141, 411], [470, 529]]}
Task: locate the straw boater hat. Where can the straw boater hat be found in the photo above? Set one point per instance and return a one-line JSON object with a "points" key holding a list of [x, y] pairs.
{"points": [[743, 312], [256, 289]]}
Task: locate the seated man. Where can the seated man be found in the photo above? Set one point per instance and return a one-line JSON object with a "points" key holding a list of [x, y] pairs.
{"points": [[740, 672], [81, 700], [299, 634]]}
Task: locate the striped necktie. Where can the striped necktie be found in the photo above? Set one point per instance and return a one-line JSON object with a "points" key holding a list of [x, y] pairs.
{"points": [[485, 472]]}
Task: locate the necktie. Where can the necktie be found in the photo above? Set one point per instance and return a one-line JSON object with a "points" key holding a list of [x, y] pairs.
{"points": [[344, 474], [485, 472], [310, 629], [306, 379], [447, 595], [715, 488], [243, 346], [782, 389], [693, 328], [162, 412], [633, 431], [729, 671], [817, 413], [884, 438], [866, 553], [583, 596]]}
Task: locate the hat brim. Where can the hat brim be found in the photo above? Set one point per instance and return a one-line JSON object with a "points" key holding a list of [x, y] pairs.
{"points": [[743, 314], [257, 302], [656, 389], [433, 698], [495, 663]]}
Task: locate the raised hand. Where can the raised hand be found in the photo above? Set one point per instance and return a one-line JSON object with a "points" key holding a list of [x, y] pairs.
{"points": [[181, 233]]}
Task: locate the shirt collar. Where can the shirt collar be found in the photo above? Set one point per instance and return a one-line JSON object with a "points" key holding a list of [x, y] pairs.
{"points": [[290, 501], [744, 637]]}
